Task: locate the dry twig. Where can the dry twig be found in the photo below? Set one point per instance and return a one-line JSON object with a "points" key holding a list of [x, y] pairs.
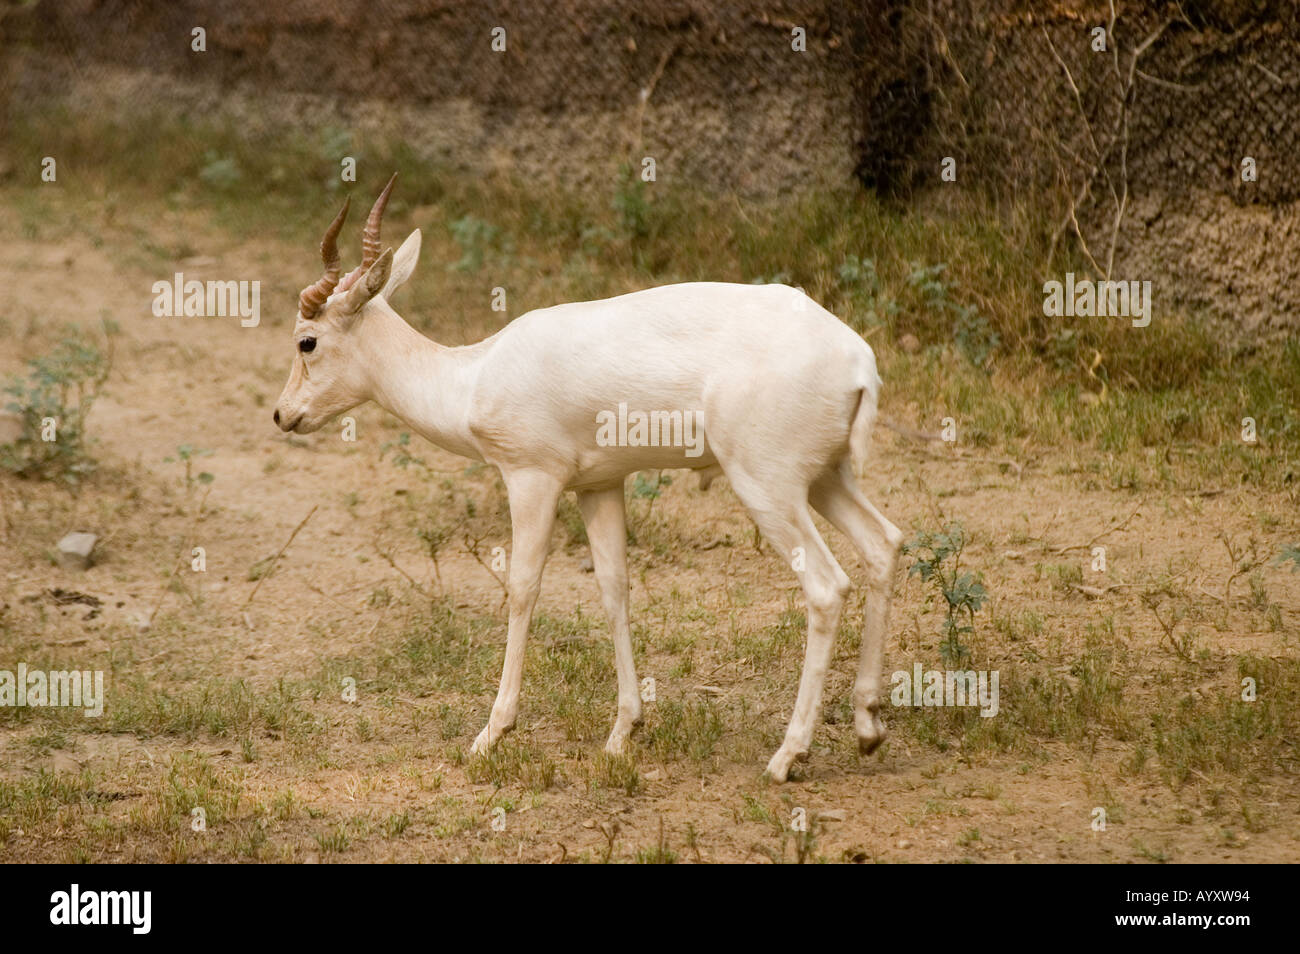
{"points": [[276, 559]]}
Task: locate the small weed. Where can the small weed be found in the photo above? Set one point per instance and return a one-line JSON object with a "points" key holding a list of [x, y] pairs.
{"points": [[52, 404], [938, 559]]}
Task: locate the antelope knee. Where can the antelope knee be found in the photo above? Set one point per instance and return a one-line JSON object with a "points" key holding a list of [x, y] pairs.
{"points": [[523, 596], [829, 596]]}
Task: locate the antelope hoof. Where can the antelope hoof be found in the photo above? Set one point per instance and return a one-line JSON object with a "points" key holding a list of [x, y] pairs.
{"points": [[617, 743], [778, 769], [487, 739], [871, 732]]}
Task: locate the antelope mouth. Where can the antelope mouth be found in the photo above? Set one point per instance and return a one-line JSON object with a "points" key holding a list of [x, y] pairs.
{"points": [[285, 424]]}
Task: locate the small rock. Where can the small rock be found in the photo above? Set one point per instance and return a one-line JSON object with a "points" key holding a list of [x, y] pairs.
{"points": [[909, 344], [836, 814], [589, 823], [586, 565], [904, 843], [75, 550], [653, 775]]}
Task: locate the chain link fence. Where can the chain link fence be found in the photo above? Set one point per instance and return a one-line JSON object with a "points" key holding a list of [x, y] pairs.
{"points": [[1161, 138], [1157, 139]]}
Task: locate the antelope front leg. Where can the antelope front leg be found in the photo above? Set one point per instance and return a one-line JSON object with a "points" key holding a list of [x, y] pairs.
{"points": [[602, 511], [533, 498]]}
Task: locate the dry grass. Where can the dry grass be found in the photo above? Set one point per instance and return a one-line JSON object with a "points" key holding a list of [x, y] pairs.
{"points": [[1120, 688]]}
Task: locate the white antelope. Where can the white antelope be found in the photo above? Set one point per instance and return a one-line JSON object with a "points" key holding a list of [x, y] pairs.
{"points": [[784, 393]]}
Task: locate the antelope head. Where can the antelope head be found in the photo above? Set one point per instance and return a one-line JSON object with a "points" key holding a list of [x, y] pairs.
{"points": [[328, 377]]}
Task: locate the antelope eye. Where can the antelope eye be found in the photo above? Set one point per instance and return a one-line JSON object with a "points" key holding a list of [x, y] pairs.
{"points": [[307, 345]]}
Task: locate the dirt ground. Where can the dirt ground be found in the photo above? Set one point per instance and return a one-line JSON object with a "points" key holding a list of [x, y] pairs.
{"points": [[387, 777]]}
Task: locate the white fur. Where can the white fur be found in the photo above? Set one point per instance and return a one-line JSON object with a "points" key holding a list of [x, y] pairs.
{"points": [[788, 398]]}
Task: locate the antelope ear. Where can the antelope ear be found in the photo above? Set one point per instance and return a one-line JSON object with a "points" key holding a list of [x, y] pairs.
{"points": [[369, 284], [403, 264]]}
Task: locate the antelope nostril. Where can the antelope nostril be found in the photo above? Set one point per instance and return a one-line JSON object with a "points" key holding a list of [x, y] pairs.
{"points": [[276, 416]]}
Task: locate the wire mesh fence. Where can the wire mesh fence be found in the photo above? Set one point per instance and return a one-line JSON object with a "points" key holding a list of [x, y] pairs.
{"points": [[1160, 138], [1156, 139]]}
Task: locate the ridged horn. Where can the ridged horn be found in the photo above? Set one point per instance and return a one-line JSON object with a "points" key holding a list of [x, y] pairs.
{"points": [[314, 295], [370, 247]]}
